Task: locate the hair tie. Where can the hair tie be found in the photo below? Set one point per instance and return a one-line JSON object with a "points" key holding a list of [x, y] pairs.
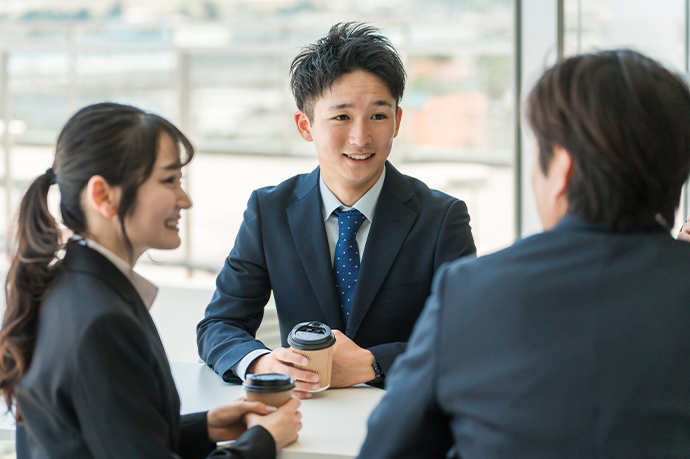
{"points": [[50, 175]]}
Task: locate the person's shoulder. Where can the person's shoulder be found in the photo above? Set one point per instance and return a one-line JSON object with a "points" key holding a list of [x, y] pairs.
{"points": [[399, 182], [81, 297], [287, 185], [286, 192], [423, 189], [87, 285], [76, 305], [290, 185], [495, 263]]}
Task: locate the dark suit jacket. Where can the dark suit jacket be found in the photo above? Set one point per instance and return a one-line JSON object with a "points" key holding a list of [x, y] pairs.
{"points": [[572, 343], [282, 246], [99, 384]]}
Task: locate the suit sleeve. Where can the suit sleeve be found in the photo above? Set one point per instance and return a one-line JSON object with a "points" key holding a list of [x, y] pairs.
{"points": [[409, 422], [227, 332], [117, 393], [455, 238], [193, 436], [454, 241], [256, 443]]}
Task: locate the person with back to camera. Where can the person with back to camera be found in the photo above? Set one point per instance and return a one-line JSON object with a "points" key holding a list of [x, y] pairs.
{"points": [[347, 86], [572, 343], [80, 357]]}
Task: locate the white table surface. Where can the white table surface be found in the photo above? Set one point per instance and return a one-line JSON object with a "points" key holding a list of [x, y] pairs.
{"points": [[333, 421]]}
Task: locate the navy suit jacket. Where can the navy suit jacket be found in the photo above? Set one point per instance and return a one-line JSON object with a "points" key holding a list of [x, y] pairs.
{"points": [[572, 343], [282, 247], [99, 384]]}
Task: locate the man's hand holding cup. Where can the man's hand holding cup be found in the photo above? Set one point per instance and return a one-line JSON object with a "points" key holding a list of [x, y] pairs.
{"points": [[308, 360]]}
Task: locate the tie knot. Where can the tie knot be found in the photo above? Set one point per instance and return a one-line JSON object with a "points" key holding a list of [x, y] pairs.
{"points": [[349, 222]]}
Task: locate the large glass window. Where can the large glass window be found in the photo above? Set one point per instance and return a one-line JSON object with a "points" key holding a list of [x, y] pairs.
{"points": [[655, 28], [220, 71]]}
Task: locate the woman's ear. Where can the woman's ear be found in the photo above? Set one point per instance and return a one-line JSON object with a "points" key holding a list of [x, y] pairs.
{"points": [[102, 197]]}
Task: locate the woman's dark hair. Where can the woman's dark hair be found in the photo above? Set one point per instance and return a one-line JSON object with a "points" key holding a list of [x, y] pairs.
{"points": [[117, 142], [625, 121], [348, 47]]}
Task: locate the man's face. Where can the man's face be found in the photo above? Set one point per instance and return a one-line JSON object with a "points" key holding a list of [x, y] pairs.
{"points": [[353, 127]]}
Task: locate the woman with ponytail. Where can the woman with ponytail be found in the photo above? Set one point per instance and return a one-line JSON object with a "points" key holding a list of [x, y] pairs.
{"points": [[81, 363]]}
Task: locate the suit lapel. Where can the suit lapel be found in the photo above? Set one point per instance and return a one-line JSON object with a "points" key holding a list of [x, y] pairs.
{"points": [[305, 219], [392, 223], [89, 261], [86, 260]]}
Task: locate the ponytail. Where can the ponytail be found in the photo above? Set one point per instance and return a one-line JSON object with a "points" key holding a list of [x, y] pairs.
{"points": [[37, 241]]}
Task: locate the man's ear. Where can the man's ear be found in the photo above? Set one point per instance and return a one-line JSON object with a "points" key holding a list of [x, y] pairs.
{"points": [[560, 171], [102, 197], [303, 126], [398, 118]]}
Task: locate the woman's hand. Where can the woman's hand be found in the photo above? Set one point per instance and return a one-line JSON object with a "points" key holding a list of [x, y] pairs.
{"points": [[227, 422], [283, 424]]}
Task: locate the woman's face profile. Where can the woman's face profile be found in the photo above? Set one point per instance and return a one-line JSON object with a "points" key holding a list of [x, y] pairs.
{"points": [[153, 222]]}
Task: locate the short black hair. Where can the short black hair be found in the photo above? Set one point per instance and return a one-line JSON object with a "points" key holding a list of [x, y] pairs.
{"points": [[625, 121], [349, 46]]}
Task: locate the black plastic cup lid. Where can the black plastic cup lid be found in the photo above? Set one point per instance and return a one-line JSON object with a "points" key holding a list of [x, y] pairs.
{"points": [[268, 382], [311, 336]]}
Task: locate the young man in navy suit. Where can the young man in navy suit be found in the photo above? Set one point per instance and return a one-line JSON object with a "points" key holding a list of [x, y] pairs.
{"points": [[348, 86], [574, 342]]}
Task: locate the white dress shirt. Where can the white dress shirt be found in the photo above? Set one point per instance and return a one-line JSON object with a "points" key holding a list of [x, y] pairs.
{"points": [[366, 205]]}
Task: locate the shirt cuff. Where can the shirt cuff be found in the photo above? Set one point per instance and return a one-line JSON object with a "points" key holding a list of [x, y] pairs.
{"points": [[240, 369]]}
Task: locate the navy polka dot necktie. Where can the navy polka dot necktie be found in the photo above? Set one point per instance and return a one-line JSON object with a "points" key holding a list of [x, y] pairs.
{"points": [[346, 260]]}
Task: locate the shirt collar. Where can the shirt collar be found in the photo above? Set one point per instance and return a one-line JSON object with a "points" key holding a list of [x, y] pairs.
{"points": [[366, 204], [146, 290]]}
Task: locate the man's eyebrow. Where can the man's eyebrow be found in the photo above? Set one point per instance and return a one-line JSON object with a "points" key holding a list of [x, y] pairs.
{"points": [[340, 106], [382, 102], [376, 103]]}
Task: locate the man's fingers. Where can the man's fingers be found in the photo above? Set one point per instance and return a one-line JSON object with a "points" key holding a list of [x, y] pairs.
{"points": [[302, 378], [306, 377], [302, 394], [306, 386], [273, 363], [287, 356]]}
